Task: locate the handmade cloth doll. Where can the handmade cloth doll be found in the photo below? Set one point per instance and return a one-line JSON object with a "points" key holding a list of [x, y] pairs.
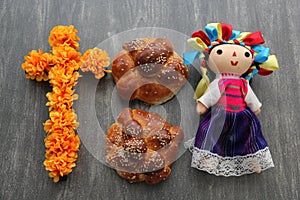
{"points": [[229, 140]]}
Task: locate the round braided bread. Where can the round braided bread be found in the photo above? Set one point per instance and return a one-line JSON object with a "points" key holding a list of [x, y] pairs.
{"points": [[148, 69], [142, 145]]}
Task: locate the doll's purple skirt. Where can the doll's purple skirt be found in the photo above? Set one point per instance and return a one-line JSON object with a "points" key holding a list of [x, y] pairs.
{"points": [[230, 144]]}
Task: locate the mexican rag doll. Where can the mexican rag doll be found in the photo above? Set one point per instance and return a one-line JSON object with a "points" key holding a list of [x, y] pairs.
{"points": [[229, 140]]}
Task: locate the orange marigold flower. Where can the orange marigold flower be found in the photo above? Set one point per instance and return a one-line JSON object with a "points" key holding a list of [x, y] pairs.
{"points": [[38, 64], [51, 127], [61, 98], [64, 118], [66, 53], [63, 77], [64, 35], [59, 165], [62, 141], [95, 60]]}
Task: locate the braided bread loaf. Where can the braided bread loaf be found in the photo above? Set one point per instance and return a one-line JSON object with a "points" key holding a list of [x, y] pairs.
{"points": [[142, 145], [148, 69]]}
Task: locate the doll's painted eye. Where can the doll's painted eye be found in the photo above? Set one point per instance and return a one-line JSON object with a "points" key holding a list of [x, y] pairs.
{"points": [[219, 51], [247, 54]]}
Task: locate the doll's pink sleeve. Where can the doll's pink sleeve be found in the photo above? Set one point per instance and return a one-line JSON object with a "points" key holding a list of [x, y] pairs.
{"points": [[212, 95], [252, 101]]}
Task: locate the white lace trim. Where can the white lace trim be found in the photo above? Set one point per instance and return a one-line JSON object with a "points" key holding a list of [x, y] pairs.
{"points": [[232, 166], [189, 144]]}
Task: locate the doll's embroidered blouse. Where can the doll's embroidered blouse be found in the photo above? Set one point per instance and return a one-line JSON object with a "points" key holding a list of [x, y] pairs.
{"points": [[231, 93]]}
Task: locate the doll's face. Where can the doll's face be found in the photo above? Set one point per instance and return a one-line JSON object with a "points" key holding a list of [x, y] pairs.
{"points": [[230, 58]]}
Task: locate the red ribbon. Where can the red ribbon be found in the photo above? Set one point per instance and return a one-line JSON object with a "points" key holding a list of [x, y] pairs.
{"points": [[226, 31], [254, 38], [202, 36]]}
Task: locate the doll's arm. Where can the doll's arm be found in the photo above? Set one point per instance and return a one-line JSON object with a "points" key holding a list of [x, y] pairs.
{"points": [[201, 109], [210, 97], [252, 101]]}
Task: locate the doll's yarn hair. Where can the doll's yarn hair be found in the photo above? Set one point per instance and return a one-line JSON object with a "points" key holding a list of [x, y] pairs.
{"points": [[219, 33]]}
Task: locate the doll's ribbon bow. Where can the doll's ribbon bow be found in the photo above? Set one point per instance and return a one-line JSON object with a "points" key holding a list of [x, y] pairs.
{"points": [[220, 33]]}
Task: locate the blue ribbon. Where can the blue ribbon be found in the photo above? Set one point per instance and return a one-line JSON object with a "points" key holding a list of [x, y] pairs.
{"points": [[263, 53], [189, 57], [258, 48], [254, 72], [212, 33], [234, 34]]}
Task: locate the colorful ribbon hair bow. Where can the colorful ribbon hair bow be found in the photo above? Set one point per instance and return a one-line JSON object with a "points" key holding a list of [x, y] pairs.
{"points": [[220, 33]]}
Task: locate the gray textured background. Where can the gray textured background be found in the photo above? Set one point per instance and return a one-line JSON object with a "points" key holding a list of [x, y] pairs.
{"points": [[25, 25]]}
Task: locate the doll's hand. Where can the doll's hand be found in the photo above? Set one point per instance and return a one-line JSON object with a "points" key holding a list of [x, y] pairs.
{"points": [[257, 112], [200, 108]]}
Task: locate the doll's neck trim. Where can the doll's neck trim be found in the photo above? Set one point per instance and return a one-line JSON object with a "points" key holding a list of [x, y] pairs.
{"points": [[228, 75]]}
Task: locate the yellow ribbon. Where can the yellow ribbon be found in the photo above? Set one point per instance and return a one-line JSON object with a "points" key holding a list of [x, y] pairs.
{"points": [[271, 64]]}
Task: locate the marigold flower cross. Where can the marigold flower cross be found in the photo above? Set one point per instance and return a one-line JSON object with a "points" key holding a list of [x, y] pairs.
{"points": [[60, 68]]}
